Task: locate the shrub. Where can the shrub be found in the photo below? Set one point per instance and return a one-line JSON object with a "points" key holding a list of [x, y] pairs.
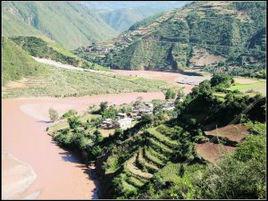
{"points": [[69, 113], [170, 94], [222, 80], [53, 114]]}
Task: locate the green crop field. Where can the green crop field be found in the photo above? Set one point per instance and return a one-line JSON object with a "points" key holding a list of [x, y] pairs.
{"points": [[63, 83], [251, 88]]}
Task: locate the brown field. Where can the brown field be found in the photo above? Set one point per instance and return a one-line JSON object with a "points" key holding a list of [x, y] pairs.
{"points": [[212, 152], [232, 132], [169, 77]]}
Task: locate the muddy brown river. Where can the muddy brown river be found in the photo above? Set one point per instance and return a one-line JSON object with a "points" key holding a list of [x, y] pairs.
{"points": [[34, 167]]}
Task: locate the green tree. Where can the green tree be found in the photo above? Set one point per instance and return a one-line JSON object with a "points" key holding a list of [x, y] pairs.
{"points": [[170, 94], [103, 106], [53, 114], [74, 122]]}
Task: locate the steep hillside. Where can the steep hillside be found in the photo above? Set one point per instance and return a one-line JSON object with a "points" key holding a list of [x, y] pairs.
{"points": [[122, 15], [167, 154], [17, 63], [46, 48], [212, 33], [69, 23], [122, 19]]}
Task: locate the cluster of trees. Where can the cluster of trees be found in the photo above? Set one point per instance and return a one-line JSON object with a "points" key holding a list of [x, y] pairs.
{"points": [[81, 136]]}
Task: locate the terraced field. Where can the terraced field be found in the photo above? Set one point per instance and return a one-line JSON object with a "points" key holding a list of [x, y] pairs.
{"points": [[146, 160]]}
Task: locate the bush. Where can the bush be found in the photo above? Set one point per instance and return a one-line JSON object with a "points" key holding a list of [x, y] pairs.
{"points": [[221, 79], [238, 176], [74, 122], [53, 114], [170, 94], [69, 114]]}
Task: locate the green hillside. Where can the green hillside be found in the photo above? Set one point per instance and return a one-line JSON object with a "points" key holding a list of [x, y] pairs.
{"points": [[69, 23], [157, 157], [122, 19], [216, 36], [17, 63], [46, 48], [44, 80]]}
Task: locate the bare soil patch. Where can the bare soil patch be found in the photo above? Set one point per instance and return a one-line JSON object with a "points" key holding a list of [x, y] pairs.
{"points": [[232, 132], [212, 152], [176, 79]]}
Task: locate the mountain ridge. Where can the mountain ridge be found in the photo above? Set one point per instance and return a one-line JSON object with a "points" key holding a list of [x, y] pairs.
{"points": [[168, 41]]}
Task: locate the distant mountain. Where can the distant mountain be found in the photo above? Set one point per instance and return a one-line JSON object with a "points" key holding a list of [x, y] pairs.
{"points": [[69, 23], [114, 5], [121, 15], [226, 36], [122, 19]]}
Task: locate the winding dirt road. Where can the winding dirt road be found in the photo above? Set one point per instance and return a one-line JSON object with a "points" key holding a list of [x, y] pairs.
{"points": [[59, 175]]}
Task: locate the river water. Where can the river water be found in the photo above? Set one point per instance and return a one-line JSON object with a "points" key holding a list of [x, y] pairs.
{"points": [[34, 167]]}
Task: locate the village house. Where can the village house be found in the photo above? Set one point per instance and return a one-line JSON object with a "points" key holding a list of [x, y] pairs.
{"points": [[124, 123]]}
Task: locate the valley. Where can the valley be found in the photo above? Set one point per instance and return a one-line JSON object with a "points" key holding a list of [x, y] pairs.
{"points": [[133, 100]]}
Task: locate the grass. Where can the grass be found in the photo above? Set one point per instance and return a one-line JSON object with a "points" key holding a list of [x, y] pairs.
{"points": [[111, 164], [53, 20], [149, 156], [251, 88], [162, 138], [129, 165], [145, 164], [63, 124], [17, 63], [64, 83], [135, 182], [158, 146]]}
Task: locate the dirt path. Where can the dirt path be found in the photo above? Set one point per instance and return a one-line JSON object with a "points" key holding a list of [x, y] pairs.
{"points": [[60, 175], [57, 64]]}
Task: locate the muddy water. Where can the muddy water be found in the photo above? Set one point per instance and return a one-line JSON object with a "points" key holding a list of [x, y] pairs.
{"points": [[59, 174]]}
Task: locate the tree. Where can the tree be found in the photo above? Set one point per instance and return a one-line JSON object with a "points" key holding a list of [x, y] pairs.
{"points": [[170, 94], [238, 176], [221, 79], [53, 114], [74, 122], [103, 106], [109, 112]]}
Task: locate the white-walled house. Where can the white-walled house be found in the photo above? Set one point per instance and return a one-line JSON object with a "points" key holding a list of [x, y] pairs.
{"points": [[124, 123]]}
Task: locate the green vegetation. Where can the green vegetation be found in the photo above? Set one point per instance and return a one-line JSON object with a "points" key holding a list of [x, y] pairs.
{"points": [[251, 88], [53, 20], [239, 176], [233, 30], [17, 63], [37, 47], [158, 159], [170, 94], [63, 83], [53, 114]]}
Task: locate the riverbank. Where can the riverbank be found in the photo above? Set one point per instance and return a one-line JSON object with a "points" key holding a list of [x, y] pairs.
{"points": [[59, 174]]}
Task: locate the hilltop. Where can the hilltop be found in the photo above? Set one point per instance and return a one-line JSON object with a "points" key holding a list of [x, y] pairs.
{"points": [[216, 36], [69, 23]]}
